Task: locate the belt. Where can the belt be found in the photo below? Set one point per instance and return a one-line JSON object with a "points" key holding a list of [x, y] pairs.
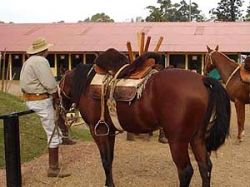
{"points": [[35, 96]]}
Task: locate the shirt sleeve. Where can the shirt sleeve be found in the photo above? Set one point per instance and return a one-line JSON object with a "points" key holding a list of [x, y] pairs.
{"points": [[45, 75]]}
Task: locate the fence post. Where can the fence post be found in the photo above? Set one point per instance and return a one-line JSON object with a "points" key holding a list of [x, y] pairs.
{"points": [[12, 148], [12, 151]]}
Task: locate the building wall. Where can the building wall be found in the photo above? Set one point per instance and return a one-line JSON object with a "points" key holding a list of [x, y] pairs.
{"points": [[60, 62]]}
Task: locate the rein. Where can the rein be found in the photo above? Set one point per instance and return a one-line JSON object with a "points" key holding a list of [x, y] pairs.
{"points": [[231, 75]]}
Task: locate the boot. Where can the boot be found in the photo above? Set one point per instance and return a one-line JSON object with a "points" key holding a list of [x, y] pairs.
{"points": [[65, 134], [130, 136], [54, 170], [162, 138]]}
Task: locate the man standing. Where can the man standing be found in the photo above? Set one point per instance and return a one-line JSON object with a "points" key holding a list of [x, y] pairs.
{"points": [[38, 86]]}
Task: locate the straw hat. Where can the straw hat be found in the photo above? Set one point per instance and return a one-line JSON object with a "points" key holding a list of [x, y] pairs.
{"points": [[38, 45]]}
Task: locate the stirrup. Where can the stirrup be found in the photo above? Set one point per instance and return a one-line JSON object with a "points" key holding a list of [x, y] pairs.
{"points": [[98, 124]]}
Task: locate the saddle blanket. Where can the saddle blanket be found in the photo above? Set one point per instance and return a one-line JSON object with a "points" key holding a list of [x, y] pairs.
{"points": [[125, 89]]}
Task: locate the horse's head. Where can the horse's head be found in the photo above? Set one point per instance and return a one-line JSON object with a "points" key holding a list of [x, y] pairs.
{"points": [[209, 64], [64, 100], [73, 84], [70, 90]]}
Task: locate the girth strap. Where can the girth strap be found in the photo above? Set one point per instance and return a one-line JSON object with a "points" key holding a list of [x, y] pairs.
{"points": [[111, 103]]}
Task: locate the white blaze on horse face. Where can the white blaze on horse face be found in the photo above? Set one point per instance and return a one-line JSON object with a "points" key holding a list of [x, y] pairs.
{"points": [[207, 62], [209, 65]]}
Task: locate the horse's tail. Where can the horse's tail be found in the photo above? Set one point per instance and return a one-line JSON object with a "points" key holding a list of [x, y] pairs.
{"points": [[218, 115]]}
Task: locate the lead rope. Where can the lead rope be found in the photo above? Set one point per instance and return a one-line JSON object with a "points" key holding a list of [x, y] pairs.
{"points": [[56, 128], [57, 112], [232, 74]]}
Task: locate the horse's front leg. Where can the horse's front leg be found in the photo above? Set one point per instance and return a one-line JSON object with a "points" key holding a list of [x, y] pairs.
{"points": [[240, 110], [106, 148]]}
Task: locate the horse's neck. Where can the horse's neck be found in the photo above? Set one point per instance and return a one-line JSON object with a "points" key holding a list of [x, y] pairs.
{"points": [[224, 65]]}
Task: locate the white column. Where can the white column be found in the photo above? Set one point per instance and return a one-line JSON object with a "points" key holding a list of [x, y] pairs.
{"points": [[70, 62], [186, 61], [166, 60], [202, 63]]}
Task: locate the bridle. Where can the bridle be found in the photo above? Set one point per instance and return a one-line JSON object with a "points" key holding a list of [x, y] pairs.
{"points": [[61, 94], [211, 63], [62, 110]]}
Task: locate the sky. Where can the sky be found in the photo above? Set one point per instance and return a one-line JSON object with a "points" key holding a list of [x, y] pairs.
{"points": [[46, 11]]}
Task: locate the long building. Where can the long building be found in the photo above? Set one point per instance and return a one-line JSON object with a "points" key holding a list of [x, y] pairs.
{"points": [[183, 46]]}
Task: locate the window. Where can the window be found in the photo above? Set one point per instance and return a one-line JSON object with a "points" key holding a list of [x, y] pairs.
{"points": [[178, 61]]}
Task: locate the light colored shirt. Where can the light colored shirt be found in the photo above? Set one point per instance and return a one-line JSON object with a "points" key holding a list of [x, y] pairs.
{"points": [[36, 76]]}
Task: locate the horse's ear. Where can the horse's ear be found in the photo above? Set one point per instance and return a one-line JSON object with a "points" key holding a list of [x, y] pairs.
{"points": [[217, 48], [209, 50]]}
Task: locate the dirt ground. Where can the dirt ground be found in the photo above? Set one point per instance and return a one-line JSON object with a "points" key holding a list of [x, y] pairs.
{"points": [[141, 163]]}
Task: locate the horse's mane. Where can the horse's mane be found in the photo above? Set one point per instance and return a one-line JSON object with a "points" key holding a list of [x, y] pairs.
{"points": [[82, 75]]}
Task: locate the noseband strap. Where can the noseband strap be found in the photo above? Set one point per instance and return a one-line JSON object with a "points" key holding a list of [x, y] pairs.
{"points": [[210, 57]]}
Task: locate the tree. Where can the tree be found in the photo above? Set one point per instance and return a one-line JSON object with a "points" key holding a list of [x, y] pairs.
{"points": [[174, 12], [156, 15], [183, 13], [99, 17], [228, 10], [169, 10], [247, 17]]}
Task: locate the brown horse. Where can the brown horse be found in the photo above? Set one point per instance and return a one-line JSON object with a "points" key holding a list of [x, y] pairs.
{"points": [[179, 101], [237, 89]]}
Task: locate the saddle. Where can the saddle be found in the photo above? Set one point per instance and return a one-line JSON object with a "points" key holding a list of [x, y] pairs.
{"points": [[118, 80], [245, 70], [139, 73]]}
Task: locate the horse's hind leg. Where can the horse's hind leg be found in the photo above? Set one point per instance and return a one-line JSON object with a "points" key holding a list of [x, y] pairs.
{"points": [[181, 159], [203, 159], [106, 148], [240, 110]]}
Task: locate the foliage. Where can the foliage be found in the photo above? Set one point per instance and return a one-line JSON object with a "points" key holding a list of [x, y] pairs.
{"points": [[247, 17], [184, 12], [228, 10], [174, 12], [156, 15], [32, 136], [99, 17]]}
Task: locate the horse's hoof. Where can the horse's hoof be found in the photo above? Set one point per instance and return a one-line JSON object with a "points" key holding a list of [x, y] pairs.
{"points": [[242, 134], [239, 140], [163, 140]]}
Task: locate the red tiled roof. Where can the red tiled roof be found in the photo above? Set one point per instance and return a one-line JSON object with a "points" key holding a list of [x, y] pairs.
{"points": [[85, 37]]}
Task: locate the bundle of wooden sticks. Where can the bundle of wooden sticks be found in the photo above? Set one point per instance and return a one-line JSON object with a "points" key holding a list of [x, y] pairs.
{"points": [[141, 47]]}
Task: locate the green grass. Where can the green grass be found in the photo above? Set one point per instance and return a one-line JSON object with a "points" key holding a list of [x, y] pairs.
{"points": [[32, 136]]}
